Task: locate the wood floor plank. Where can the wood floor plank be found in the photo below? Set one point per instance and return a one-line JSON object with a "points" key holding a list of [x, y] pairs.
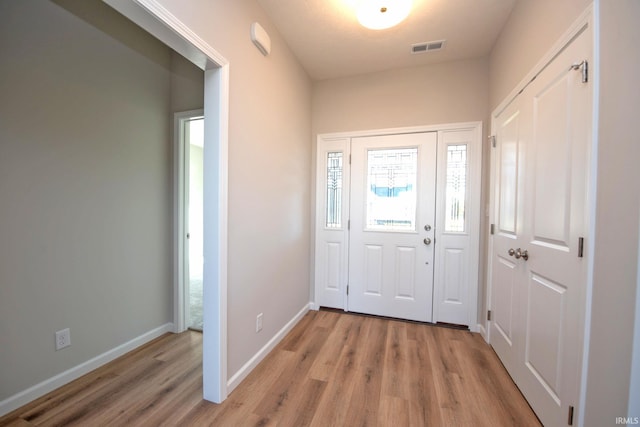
{"points": [[333, 369], [306, 407], [394, 411], [334, 403], [395, 374], [239, 406], [325, 363], [284, 392], [365, 398]]}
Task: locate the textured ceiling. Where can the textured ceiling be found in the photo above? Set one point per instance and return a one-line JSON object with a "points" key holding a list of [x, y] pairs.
{"points": [[329, 42]]}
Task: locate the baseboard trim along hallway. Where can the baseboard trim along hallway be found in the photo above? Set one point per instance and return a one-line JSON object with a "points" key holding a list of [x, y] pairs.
{"points": [[264, 351], [17, 400]]}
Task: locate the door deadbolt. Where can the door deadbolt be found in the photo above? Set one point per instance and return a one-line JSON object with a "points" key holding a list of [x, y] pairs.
{"points": [[427, 227]]}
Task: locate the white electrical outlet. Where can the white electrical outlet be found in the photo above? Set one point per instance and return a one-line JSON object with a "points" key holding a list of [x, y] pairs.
{"points": [[63, 339], [259, 323]]}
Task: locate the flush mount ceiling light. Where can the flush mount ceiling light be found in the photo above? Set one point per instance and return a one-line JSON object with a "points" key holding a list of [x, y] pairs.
{"points": [[381, 14]]}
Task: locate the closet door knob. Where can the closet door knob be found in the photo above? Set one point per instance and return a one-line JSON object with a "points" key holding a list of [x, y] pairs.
{"points": [[522, 254]]}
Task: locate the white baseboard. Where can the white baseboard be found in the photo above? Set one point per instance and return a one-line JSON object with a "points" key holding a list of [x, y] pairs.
{"points": [[242, 373], [20, 399], [483, 332]]}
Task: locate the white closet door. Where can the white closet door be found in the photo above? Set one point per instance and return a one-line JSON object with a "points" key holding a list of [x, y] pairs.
{"points": [[555, 221], [508, 194], [540, 207]]}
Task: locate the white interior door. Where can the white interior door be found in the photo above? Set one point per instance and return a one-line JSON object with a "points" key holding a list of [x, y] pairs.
{"points": [[555, 221], [391, 250], [508, 181], [538, 274]]}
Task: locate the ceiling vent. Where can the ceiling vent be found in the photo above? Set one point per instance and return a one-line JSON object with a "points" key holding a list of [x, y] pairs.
{"points": [[427, 46]]}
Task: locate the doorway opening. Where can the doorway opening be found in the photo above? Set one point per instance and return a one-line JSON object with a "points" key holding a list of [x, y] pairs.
{"points": [[189, 127], [159, 22], [191, 143]]}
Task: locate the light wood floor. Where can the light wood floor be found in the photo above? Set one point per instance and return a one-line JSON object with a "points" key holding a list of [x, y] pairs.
{"points": [[333, 369]]}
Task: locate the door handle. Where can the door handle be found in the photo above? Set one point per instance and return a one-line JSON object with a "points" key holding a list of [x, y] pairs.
{"points": [[522, 254], [427, 241], [511, 252]]}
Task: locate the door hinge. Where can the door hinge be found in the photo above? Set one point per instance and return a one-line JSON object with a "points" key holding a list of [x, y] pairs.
{"points": [[348, 224], [488, 314], [347, 290], [580, 247], [492, 138], [584, 68], [570, 420], [349, 158], [493, 229]]}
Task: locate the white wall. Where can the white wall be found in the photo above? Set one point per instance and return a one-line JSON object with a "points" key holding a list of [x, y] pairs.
{"points": [[533, 27], [617, 211], [430, 94], [85, 186], [425, 95], [269, 164]]}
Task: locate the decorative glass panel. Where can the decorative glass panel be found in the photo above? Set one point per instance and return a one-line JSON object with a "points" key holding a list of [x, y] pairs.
{"points": [[456, 190], [334, 190], [391, 189]]}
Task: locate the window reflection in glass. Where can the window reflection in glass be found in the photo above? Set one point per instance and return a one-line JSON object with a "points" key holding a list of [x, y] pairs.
{"points": [[456, 188], [392, 189], [334, 190]]}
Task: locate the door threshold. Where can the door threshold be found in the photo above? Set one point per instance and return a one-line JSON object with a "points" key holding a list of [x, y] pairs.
{"points": [[438, 324]]}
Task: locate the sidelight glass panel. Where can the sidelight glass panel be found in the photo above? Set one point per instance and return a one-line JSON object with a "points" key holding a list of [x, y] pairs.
{"points": [[334, 190], [391, 189], [456, 189]]}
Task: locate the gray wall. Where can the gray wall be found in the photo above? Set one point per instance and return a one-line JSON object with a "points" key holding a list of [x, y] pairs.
{"points": [[269, 172], [85, 185]]}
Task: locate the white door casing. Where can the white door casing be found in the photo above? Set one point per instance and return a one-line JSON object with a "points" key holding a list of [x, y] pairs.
{"points": [[390, 266], [540, 300], [162, 24], [455, 286]]}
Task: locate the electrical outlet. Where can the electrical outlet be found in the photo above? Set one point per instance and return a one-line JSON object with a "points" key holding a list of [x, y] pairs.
{"points": [[63, 339], [259, 323]]}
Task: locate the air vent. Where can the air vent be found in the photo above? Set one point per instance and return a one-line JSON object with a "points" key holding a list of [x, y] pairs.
{"points": [[427, 46]]}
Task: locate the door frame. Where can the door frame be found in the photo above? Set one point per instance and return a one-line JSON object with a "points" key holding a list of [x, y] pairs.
{"points": [[181, 176], [476, 212], [153, 17]]}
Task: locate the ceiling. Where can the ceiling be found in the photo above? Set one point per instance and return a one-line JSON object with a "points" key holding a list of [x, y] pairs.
{"points": [[329, 42]]}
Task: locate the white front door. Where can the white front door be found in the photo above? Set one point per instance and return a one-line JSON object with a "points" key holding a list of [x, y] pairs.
{"points": [[391, 250], [538, 272]]}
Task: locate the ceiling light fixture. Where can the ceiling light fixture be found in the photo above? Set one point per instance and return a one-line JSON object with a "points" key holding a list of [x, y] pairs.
{"points": [[381, 14]]}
